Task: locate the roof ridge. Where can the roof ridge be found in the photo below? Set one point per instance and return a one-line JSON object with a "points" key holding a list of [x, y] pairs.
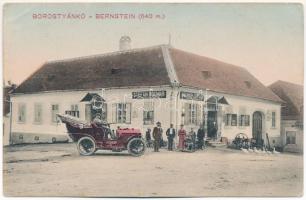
{"points": [[107, 54], [210, 58], [287, 82], [169, 65]]}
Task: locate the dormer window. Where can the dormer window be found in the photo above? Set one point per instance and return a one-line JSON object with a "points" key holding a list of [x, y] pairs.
{"points": [[248, 84], [115, 70], [51, 77], [206, 74]]}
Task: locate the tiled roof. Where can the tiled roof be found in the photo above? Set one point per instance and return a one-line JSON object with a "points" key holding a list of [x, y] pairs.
{"points": [[202, 72], [130, 68], [292, 95], [145, 67]]}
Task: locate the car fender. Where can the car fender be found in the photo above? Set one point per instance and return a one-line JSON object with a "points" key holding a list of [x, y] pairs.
{"points": [[77, 136], [133, 136]]}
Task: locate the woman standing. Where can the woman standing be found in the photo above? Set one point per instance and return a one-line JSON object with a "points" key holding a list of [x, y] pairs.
{"points": [[182, 137]]}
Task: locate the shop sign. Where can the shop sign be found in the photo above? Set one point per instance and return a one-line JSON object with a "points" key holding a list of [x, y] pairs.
{"points": [[149, 94], [192, 96]]}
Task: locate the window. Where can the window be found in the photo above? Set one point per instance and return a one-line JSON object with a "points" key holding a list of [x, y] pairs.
{"points": [[231, 120], [206, 74], [115, 70], [244, 120], [37, 113], [74, 111], [228, 119], [192, 112], [234, 120], [248, 84], [212, 103], [273, 119], [290, 137], [54, 111], [148, 113], [22, 113], [122, 113]]}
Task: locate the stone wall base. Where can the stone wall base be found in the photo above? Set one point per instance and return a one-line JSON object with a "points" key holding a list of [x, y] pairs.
{"points": [[293, 148], [23, 138]]}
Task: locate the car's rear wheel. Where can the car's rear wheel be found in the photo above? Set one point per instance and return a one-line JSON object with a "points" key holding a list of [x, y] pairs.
{"points": [[136, 147], [86, 146]]}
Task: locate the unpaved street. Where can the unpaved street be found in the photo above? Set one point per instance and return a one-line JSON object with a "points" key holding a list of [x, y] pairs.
{"points": [[58, 170]]}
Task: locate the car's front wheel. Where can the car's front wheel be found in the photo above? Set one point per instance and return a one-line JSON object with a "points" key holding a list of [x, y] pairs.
{"points": [[86, 146], [136, 147]]}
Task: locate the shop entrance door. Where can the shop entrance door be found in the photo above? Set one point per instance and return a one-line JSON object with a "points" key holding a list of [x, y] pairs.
{"points": [[212, 125], [257, 126]]}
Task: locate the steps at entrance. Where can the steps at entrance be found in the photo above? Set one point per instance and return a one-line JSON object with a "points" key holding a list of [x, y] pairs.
{"points": [[216, 144]]}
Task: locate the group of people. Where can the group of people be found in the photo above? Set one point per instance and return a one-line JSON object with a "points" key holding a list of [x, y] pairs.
{"points": [[196, 138]]}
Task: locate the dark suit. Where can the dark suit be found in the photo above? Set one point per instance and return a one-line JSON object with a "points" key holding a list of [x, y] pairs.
{"points": [[157, 134], [170, 134], [200, 136]]}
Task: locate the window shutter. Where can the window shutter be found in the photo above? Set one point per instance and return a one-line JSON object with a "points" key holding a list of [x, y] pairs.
{"points": [[40, 114], [187, 113], [128, 113], [224, 118], [114, 113], [198, 107], [247, 120], [104, 111]]}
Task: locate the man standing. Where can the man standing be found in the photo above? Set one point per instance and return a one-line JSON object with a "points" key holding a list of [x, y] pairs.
{"points": [[157, 133], [192, 136], [200, 136], [170, 134], [214, 131]]}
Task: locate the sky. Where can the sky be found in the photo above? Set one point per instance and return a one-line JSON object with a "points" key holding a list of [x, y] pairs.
{"points": [[266, 38]]}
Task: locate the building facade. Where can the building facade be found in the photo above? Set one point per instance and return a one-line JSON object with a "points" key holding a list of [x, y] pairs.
{"points": [[291, 115], [141, 87], [6, 102]]}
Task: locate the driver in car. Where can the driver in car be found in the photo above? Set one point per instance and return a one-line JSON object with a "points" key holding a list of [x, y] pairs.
{"points": [[98, 123], [97, 120]]}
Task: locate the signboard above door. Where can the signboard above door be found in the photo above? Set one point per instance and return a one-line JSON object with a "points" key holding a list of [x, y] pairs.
{"points": [[192, 96], [149, 94]]}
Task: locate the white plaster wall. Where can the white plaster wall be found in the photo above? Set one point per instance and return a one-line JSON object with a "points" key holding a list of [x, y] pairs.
{"points": [[6, 130], [65, 99], [251, 105], [289, 125], [162, 107], [166, 110]]}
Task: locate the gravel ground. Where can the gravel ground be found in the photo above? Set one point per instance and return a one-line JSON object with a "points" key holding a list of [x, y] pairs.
{"points": [[58, 170]]}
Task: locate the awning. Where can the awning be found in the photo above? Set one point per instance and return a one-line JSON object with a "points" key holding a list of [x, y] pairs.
{"points": [[90, 96], [223, 100], [215, 99]]}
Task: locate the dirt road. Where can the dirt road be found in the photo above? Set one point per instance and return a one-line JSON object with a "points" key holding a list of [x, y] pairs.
{"points": [[58, 170]]}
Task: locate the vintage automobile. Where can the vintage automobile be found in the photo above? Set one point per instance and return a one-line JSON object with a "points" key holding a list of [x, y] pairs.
{"points": [[91, 137]]}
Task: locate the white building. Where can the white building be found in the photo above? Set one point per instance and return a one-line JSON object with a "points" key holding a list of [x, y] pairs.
{"points": [[291, 114], [141, 87]]}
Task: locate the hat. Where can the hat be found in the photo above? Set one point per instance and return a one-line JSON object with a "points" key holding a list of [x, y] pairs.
{"points": [[158, 123]]}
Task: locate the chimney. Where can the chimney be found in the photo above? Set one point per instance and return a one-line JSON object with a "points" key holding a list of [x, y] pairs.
{"points": [[125, 43]]}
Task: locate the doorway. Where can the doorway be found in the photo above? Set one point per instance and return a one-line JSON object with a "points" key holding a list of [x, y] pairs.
{"points": [[257, 126], [212, 124]]}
